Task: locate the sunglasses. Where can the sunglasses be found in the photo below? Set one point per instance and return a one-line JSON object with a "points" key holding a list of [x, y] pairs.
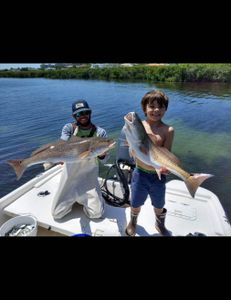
{"points": [[82, 113]]}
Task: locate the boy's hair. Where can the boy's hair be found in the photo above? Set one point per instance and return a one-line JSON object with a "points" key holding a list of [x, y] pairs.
{"points": [[152, 96]]}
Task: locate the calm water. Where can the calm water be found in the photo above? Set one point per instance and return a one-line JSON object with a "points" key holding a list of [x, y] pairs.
{"points": [[33, 112]]}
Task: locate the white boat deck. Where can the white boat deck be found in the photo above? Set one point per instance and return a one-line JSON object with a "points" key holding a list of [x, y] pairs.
{"points": [[203, 214]]}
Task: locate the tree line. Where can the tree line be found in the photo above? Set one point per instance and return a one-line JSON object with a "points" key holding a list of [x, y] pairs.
{"points": [[162, 73]]}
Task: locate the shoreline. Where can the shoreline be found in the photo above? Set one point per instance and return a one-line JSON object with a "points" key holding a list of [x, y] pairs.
{"points": [[220, 73]]}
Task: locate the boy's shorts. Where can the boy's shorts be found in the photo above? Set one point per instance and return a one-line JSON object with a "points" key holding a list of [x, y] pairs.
{"points": [[144, 184]]}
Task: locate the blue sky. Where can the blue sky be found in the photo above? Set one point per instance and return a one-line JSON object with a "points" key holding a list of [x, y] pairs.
{"points": [[8, 66]]}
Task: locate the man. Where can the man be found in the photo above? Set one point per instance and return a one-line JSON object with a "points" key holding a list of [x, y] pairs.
{"points": [[82, 127], [79, 181]]}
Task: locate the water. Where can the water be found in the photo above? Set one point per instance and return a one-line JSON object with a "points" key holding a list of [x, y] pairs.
{"points": [[33, 112]]}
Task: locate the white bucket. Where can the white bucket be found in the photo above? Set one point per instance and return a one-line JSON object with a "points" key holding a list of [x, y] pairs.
{"points": [[20, 220]]}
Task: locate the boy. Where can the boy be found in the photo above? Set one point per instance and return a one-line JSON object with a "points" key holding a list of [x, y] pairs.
{"points": [[145, 180]]}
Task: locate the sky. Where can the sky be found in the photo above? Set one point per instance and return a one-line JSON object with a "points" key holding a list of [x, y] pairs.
{"points": [[8, 66]]}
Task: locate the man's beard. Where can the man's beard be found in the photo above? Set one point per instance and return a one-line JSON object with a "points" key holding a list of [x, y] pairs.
{"points": [[85, 124]]}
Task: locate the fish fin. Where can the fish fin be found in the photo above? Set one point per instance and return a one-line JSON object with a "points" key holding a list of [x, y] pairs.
{"points": [[112, 145], [79, 141], [193, 182], [74, 138], [44, 147], [158, 173], [85, 154], [18, 167], [143, 149]]}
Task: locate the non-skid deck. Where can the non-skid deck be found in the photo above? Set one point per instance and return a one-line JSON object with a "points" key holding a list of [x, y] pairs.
{"points": [[203, 214]]}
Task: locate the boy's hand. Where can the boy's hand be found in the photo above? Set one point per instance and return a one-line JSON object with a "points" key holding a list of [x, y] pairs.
{"points": [[164, 171]]}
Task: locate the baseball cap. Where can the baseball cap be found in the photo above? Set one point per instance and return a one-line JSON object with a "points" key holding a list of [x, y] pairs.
{"points": [[80, 105]]}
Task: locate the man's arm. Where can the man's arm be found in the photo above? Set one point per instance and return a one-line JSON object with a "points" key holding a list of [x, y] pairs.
{"points": [[67, 132]]}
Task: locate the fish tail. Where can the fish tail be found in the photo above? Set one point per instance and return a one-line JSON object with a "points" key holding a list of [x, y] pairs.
{"points": [[194, 180], [18, 167]]}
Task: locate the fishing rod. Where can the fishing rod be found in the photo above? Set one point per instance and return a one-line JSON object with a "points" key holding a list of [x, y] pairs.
{"points": [[123, 168], [123, 172]]}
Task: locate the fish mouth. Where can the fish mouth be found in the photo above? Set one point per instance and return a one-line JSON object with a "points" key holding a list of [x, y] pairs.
{"points": [[130, 117]]}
